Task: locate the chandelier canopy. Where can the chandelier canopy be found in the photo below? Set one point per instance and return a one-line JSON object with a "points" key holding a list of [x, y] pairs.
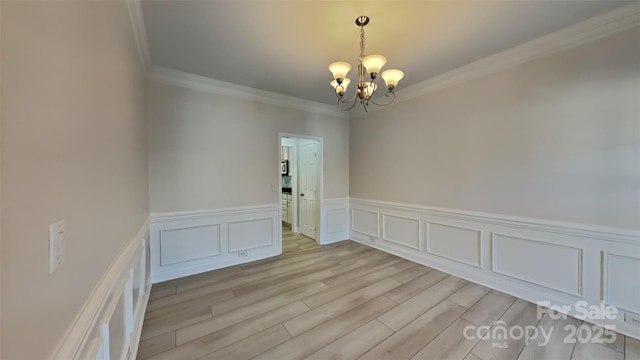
{"points": [[365, 90]]}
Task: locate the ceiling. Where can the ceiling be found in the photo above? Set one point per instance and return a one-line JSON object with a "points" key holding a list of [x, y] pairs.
{"points": [[286, 46]]}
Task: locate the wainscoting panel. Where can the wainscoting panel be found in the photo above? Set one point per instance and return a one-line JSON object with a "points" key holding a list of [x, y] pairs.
{"points": [[188, 243], [335, 220], [110, 323], [622, 281], [251, 234], [184, 244], [554, 266], [455, 243], [364, 222], [533, 259], [401, 230]]}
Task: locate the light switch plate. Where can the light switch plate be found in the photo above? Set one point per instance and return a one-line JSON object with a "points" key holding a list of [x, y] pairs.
{"points": [[56, 245]]}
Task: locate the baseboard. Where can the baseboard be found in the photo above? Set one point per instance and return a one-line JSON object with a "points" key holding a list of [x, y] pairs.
{"points": [[188, 270], [123, 291], [533, 259]]}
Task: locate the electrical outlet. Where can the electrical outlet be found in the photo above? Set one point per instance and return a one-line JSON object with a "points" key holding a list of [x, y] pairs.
{"points": [[632, 319], [242, 254]]}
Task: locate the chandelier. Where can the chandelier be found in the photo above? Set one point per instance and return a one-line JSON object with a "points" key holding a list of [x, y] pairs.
{"points": [[365, 90]]}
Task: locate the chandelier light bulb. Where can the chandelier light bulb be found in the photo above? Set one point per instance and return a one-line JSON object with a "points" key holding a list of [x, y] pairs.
{"points": [[369, 89], [339, 69], [374, 63], [392, 77], [340, 88]]}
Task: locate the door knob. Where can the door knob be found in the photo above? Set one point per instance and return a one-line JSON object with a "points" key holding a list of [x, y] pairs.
{"points": [[301, 194]]}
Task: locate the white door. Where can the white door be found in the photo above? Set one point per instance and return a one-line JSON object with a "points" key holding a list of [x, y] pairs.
{"points": [[308, 198]]}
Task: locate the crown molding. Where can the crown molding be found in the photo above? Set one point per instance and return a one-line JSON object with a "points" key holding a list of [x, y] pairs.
{"points": [[196, 82], [615, 21], [139, 32], [168, 76], [601, 26]]}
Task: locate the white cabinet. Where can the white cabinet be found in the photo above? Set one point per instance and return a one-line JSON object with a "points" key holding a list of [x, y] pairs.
{"points": [[287, 208]]}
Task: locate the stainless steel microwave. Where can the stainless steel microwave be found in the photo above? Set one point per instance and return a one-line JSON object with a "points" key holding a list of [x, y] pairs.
{"points": [[284, 167]]}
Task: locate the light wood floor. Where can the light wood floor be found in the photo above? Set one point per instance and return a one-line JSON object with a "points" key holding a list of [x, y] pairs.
{"points": [[343, 301]]}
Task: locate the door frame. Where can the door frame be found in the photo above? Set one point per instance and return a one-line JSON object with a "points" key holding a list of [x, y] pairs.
{"points": [[319, 217]]}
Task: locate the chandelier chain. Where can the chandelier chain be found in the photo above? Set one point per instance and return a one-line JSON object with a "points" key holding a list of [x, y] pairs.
{"points": [[363, 42]]}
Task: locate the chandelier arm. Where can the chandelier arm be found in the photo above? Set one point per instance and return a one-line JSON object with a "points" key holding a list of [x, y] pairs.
{"points": [[353, 103], [341, 98], [393, 98]]}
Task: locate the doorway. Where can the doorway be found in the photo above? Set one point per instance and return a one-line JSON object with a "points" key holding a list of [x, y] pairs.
{"points": [[301, 184]]}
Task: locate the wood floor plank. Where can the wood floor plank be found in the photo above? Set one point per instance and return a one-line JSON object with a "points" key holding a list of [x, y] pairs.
{"points": [[618, 342], [286, 287], [409, 340], [232, 334], [631, 348], [358, 272], [324, 334], [335, 257], [592, 351], [367, 259], [404, 264], [521, 314], [416, 286], [335, 292], [160, 292], [222, 282], [556, 348], [469, 294], [156, 345], [252, 345], [303, 274], [310, 319], [221, 321], [450, 344], [175, 321], [178, 301], [410, 273], [489, 309], [409, 310], [354, 344]]}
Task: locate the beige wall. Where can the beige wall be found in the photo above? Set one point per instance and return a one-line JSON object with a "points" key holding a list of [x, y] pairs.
{"points": [[209, 151], [73, 148], [557, 138]]}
